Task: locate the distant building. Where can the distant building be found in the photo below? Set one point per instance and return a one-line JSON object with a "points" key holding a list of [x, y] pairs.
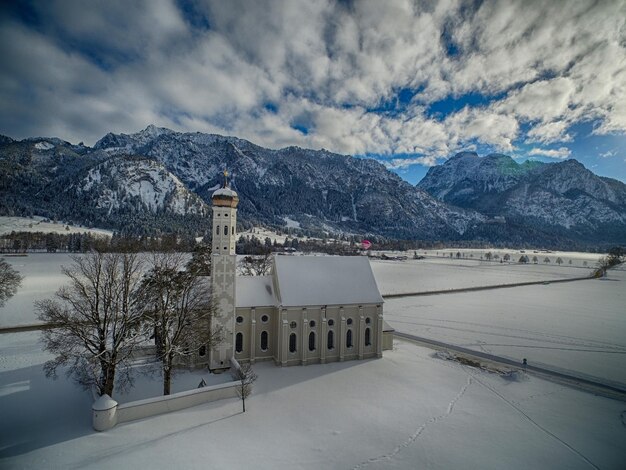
{"points": [[311, 309]]}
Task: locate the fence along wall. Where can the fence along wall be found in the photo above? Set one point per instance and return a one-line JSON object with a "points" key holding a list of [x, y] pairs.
{"points": [[107, 412]]}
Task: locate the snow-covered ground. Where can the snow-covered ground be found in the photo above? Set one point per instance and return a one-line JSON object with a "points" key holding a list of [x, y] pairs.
{"points": [[434, 274], [42, 277], [577, 326], [407, 410], [37, 224]]}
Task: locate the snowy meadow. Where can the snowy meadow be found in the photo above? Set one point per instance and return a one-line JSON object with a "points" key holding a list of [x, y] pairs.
{"points": [[410, 409]]}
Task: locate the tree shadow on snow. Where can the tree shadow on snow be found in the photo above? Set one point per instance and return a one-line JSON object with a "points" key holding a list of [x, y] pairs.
{"points": [[38, 412]]}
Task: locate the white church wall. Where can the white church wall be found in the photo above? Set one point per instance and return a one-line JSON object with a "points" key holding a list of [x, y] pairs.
{"points": [[159, 405], [254, 322], [338, 319]]}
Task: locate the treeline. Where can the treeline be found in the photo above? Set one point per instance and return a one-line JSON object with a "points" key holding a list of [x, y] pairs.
{"points": [[345, 245], [23, 242]]}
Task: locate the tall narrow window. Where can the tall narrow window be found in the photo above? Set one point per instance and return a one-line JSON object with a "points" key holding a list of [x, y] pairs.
{"points": [[239, 342], [292, 343], [349, 339], [217, 230], [311, 341], [331, 339], [233, 230], [264, 341], [225, 229], [202, 350], [368, 339]]}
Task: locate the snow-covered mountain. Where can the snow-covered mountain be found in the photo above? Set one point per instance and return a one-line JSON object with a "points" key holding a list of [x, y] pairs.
{"points": [[317, 189], [562, 198], [140, 184], [53, 178], [155, 179]]}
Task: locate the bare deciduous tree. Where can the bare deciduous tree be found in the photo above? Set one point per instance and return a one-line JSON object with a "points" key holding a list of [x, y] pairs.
{"points": [[256, 265], [246, 377], [10, 280], [603, 266], [96, 320], [178, 302], [200, 262]]}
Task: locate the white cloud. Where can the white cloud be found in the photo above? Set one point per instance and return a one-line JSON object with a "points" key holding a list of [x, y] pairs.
{"points": [[608, 154], [560, 153], [403, 163], [93, 68], [549, 132]]}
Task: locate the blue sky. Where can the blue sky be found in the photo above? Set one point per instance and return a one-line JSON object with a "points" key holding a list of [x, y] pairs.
{"points": [[409, 85]]}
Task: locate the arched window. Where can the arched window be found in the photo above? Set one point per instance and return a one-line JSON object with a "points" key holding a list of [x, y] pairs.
{"points": [[202, 350], [292, 343], [349, 339], [311, 341], [368, 320], [349, 322], [331, 340], [312, 323], [239, 343], [264, 341], [217, 230], [331, 322], [225, 229], [368, 339]]}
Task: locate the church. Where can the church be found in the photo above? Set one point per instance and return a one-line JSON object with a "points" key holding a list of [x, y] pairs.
{"points": [[309, 310]]}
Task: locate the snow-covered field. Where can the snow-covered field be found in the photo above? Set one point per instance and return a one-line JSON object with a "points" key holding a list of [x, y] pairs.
{"points": [[407, 410], [434, 274], [577, 326], [42, 277], [37, 224]]}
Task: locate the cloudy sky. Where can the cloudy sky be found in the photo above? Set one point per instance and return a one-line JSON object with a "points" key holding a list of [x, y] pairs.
{"points": [[409, 84]]}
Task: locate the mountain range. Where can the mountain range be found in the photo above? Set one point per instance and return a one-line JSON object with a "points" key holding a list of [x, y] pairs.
{"points": [[560, 199], [158, 180]]}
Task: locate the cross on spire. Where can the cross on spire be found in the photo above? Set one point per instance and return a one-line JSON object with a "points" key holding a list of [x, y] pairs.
{"points": [[226, 178]]}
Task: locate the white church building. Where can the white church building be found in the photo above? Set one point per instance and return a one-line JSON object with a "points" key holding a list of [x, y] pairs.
{"points": [[310, 309]]}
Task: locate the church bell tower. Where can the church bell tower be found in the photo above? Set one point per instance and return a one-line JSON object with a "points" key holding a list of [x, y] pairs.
{"points": [[223, 272]]}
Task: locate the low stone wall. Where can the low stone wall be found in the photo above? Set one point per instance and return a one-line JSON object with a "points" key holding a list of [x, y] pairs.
{"points": [[177, 401], [107, 412]]}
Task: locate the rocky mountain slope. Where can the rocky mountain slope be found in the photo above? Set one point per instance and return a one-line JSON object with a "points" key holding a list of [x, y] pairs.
{"points": [[138, 183], [317, 189], [563, 198], [56, 179], [158, 180]]}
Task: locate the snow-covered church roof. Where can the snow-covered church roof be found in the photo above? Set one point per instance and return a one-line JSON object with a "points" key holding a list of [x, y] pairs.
{"points": [[325, 280], [255, 291]]}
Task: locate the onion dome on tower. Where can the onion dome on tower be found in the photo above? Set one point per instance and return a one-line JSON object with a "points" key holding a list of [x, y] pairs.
{"points": [[225, 197]]}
